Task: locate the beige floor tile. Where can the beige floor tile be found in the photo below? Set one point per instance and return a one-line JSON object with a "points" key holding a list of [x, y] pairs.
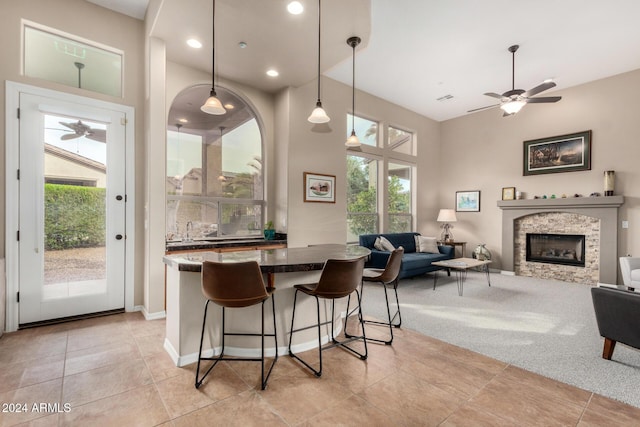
{"points": [[245, 409], [28, 402], [602, 411], [353, 411], [181, 397], [103, 382], [98, 356], [410, 400], [473, 415], [141, 406], [22, 374], [162, 367]]}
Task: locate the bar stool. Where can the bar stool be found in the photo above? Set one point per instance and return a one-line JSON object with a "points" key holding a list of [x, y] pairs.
{"points": [[386, 277], [234, 285], [339, 279]]}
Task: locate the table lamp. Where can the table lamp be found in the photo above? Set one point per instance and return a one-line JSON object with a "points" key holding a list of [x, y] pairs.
{"points": [[446, 216]]}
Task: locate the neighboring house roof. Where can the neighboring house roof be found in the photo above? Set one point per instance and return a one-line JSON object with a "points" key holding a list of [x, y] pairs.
{"points": [[75, 158]]}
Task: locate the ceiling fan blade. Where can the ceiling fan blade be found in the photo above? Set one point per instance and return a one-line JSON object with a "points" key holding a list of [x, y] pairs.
{"points": [[70, 136], [543, 99], [483, 108], [494, 95], [99, 135], [540, 88]]}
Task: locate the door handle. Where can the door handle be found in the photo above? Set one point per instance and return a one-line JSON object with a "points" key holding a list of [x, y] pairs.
{"points": [[118, 236], [118, 197]]}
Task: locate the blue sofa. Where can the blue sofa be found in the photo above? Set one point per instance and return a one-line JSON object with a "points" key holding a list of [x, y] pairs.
{"points": [[413, 263]]}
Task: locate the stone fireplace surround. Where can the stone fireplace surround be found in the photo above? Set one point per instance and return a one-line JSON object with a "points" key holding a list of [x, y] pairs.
{"points": [[605, 209]]}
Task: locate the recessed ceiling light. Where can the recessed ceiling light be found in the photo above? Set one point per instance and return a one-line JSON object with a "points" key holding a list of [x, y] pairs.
{"points": [[272, 73], [229, 106], [547, 81], [194, 43], [183, 120], [295, 8], [242, 45]]}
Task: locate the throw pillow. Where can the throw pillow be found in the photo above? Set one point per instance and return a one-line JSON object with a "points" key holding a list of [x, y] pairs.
{"points": [[427, 244], [386, 244], [378, 244]]}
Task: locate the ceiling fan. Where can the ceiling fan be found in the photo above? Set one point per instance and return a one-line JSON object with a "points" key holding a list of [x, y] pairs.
{"points": [[513, 100], [80, 129]]}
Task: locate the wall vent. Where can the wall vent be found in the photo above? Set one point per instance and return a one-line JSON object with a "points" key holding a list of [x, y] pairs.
{"points": [[445, 98]]}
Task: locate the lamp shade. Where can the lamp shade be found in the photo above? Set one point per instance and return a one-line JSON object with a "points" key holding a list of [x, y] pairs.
{"points": [[447, 215], [318, 115], [512, 107], [213, 105], [353, 140]]}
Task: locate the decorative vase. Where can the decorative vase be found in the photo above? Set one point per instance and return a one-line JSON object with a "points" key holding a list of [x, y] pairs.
{"points": [[609, 182], [481, 253]]}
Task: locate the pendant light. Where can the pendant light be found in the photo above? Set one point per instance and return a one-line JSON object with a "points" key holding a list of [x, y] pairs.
{"points": [[213, 105], [353, 140], [318, 115]]}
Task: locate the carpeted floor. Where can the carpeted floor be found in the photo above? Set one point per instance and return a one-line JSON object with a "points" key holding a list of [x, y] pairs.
{"points": [[545, 326]]}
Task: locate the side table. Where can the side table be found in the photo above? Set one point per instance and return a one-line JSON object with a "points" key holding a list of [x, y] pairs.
{"points": [[454, 243]]}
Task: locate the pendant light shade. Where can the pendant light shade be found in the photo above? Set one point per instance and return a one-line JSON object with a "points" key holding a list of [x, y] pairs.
{"points": [[318, 115], [213, 105], [353, 140]]}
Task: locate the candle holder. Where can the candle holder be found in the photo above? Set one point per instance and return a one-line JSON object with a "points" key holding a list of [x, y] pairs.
{"points": [[609, 182]]}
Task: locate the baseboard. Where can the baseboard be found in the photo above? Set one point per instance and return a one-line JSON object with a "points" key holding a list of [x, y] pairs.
{"points": [[508, 273], [150, 316]]}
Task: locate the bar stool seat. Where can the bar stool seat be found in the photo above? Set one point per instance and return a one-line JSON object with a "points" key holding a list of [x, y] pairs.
{"points": [[339, 279], [235, 285], [386, 277]]}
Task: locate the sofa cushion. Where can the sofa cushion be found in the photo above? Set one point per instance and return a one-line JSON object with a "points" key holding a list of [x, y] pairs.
{"points": [[418, 260], [635, 275], [426, 244], [386, 244]]}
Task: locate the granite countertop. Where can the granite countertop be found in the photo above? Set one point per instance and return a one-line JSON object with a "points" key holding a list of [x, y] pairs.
{"points": [[271, 260], [219, 243]]}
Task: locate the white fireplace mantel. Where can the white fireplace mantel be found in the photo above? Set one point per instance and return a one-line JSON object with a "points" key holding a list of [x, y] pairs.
{"points": [[603, 208]]}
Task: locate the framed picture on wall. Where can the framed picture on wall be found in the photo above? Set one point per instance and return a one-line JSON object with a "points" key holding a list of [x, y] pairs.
{"points": [[319, 187], [468, 201], [564, 153], [508, 193]]}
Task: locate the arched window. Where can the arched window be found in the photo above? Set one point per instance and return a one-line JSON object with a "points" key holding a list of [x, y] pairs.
{"points": [[214, 168]]}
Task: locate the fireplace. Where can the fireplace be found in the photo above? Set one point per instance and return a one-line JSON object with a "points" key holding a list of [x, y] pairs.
{"points": [[564, 249]]}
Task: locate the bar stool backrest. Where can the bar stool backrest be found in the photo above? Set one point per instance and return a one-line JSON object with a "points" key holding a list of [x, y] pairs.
{"points": [[339, 278], [233, 284], [392, 269]]}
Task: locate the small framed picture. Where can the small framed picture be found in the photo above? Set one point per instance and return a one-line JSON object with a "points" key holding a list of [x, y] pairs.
{"points": [[319, 187], [508, 193], [468, 201]]}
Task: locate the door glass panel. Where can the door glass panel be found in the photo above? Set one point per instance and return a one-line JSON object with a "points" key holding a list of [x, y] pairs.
{"points": [[75, 176]]}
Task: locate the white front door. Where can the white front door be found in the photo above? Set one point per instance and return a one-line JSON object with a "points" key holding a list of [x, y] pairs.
{"points": [[71, 209]]}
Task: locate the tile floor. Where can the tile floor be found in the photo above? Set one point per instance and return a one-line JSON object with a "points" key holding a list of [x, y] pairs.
{"points": [[113, 371]]}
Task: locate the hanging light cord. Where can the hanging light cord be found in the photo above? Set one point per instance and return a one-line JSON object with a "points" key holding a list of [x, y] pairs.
{"points": [[353, 91], [319, 23], [213, 48]]}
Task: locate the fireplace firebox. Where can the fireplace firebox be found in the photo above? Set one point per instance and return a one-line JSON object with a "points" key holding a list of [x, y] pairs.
{"points": [[565, 249]]}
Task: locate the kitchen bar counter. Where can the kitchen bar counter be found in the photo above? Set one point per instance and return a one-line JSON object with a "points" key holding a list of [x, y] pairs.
{"points": [[283, 268], [213, 244]]}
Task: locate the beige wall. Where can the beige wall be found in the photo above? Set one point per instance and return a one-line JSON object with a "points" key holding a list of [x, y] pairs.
{"points": [[321, 149], [484, 151], [88, 21]]}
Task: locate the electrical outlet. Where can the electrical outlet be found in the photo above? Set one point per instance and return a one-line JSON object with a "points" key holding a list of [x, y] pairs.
{"points": [[625, 224]]}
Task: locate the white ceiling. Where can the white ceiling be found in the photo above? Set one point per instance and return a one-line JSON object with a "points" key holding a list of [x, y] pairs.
{"points": [[413, 51]]}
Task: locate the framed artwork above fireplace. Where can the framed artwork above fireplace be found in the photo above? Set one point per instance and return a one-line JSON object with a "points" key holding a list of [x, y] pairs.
{"points": [[564, 153]]}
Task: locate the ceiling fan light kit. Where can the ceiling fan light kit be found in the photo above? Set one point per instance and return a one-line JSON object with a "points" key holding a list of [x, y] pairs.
{"points": [[512, 101], [318, 115], [213, 105]]}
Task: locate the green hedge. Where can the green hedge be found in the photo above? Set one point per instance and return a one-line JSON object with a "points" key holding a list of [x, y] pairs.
{"points": [[74, 216]]}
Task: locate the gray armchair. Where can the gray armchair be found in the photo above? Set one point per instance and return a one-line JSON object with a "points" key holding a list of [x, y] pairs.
{"points": [[617, 316], [630, 269]]}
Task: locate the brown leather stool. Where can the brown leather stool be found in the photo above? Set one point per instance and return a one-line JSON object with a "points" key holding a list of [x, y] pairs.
{"points": [[386, 277], [339, 279], [233, 285]]}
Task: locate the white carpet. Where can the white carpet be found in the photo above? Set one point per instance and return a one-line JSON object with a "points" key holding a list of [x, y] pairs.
{"points": [[544, 326]]}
